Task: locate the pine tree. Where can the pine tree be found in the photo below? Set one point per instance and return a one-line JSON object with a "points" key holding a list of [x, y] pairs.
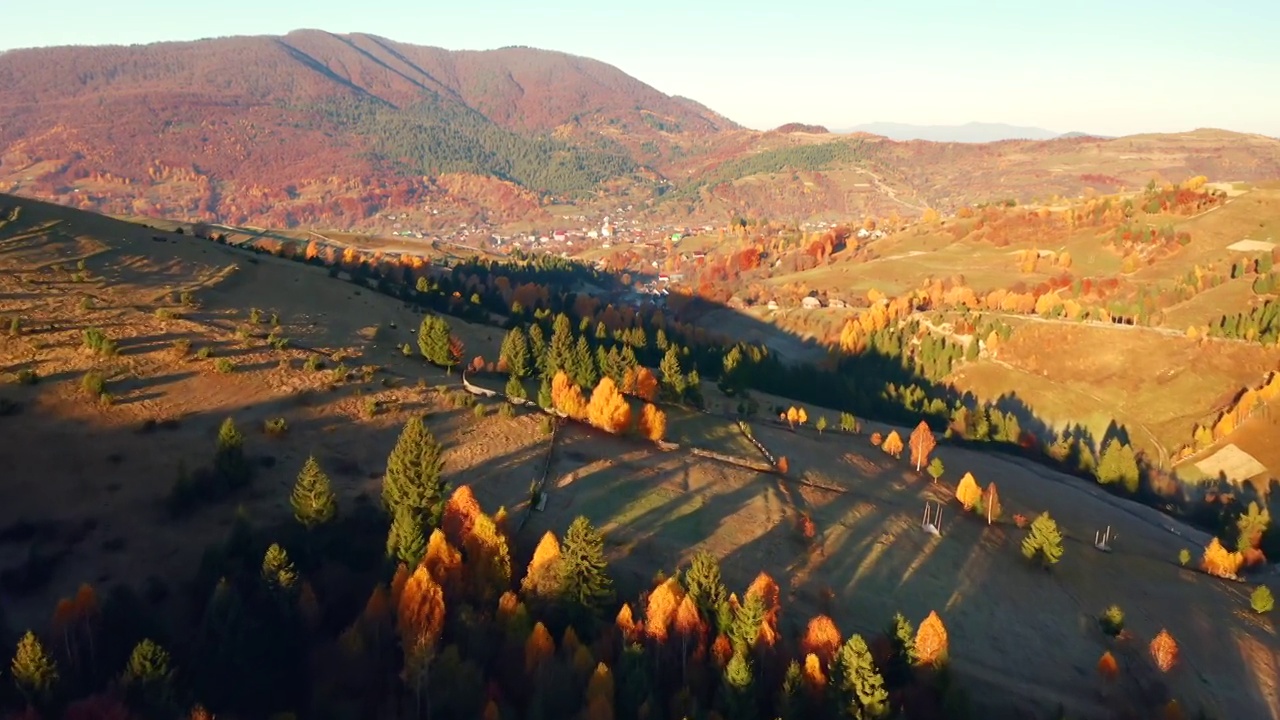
{"points": [[545, 398], [277, 569], [583, 364], [739, 688], [433, 340], [673, 379], [704, 585], [560, 349], [586, 585], [515, 353], [405, 539], [1043, 540], [858, 683], [313, 500], [538, 349], [229, 461], [414, 479], [902, 638], [34, 672], [748, 617], [515, 389], [1118, 464]]}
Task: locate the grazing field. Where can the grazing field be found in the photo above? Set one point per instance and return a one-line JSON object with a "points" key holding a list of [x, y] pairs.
{"points": [[1091, 375], [657, 508]]}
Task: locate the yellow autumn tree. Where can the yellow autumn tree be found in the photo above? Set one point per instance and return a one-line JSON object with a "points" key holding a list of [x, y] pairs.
{"points": [[460, 513], [815, 681], [443, 561], [538, 649], [542, 580], [488, 561], [893, 444], [567, 397], [1219, 561], [609, 409], [599, 699], [931, 641], [420, 620], [968, 492], [661, 609], [653, 422]]}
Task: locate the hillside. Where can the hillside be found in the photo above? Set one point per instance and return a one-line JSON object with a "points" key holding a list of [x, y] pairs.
{"points": [[91, 477], [973, 132], [340, 132]]}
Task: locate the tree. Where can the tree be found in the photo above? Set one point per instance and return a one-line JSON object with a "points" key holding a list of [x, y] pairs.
{"points": [[931, 642], [1044, 540], [653, 422], [1262, 600], [608, 408], [420, 621], [704, 585], [821, 638], [229, 462], [546, 399], [414, 479], [405, 539], [858, 682], [542, 581], [821, 424], [673, 379], [567, 396], [313, 500], [922, 443], [848, 423], [1164, 651], [34, 672], [991, 503], [968, 492], [1118, 464], [935, 469], [515, 389], [902, 639], [433, 340], [739, 688], [277, 569], [893, 444], [148, 675], [586, 585], [488, 560], [1107, 666], [1219, 561], [515, 353]]}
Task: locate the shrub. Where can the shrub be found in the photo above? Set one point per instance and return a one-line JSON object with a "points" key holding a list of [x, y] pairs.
{"points": [[1184, 557], [181, 347], [15, 326], [280, 343], [480, 411], [96, 340], [187, 299], [105, 399], [407, 350], [255, 316], [370, 407], [507, 411], [27, 376], [86, 303], [276, 427], [546, 425], [224, 365], [313, 363], [1262, 600], [93, 384], [1112, 620], [204, 353], [340, 372], [166, 313]]}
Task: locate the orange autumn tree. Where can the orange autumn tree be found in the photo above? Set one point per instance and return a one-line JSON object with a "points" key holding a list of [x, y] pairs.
{"points": [[822, 638], [538, 649], [460, 512], [443, 561], [815, 681], [893, 444], [420, 620], [689, 627], [991, 502], [661, 609], [1107, 666], [599, 699], [968, 492], [567, 397], [640, 382], [542, 581], [653, 422], [931, 641], [922, 443], [488, 568], [1219, 561], [1164, 651], [609, 409]]}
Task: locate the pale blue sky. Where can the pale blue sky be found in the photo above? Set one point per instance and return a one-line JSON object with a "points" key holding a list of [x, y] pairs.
{"points": [[1107, 67]]}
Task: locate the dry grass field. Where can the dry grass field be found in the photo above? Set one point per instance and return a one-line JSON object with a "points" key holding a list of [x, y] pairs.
{"points": [[84, 482]]}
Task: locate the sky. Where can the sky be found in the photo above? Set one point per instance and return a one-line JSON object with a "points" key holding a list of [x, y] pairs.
{"points": [[1111, 68]]}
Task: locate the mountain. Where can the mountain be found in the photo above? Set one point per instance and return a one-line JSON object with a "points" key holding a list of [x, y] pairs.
{"points": [[247, 127], [974, 132]]}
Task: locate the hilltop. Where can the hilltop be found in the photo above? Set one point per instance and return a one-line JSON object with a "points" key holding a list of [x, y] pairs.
{"points": [[340, 132], [972, 132], [129, 345]]}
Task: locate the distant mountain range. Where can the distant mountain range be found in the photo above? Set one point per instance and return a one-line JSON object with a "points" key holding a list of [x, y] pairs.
{"points": [[974, 132]]}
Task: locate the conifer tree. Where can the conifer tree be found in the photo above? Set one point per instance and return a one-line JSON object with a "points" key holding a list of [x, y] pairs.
{"points": [[1043, 540], [704, 585], [405, 539], [748, 617], [739, 688], [1118, 464], [538, 349], [433, 340], [673, 379], [559, 352], [312, 499], [858, 683], [414, 479], [545, 398], [515, 389], [902, 638], [34, 672], [277, 569], [148, 676], [229, 461], [515, 353], [583, 364], [586, 585]]}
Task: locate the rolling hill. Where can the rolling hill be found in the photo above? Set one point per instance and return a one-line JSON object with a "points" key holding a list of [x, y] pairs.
{"points": [[315, 129], [973, 132]]}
